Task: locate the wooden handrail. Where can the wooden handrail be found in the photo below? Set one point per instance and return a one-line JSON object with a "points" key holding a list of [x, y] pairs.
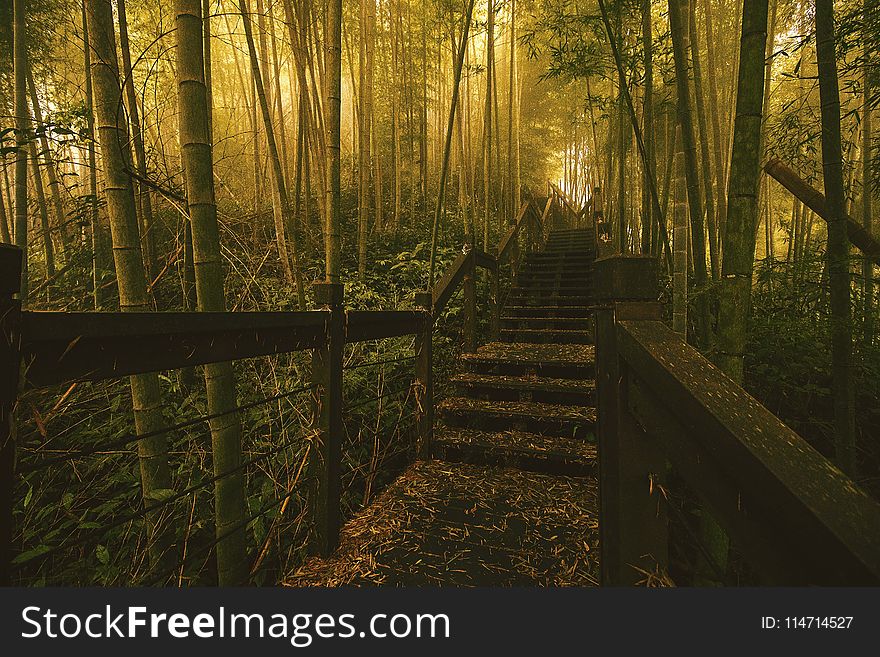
{"points": [[361, 325], [562, 197], [788, 509], [58, 346], [543, 225], [452, 278], [795, 516], [508, 240]]}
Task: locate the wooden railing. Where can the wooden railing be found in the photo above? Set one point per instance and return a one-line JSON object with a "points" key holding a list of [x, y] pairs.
{"points": [[40, 349], [528, 229], [794, 516]]}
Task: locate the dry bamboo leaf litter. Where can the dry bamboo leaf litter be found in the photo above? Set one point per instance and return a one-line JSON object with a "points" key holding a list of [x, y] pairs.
{"points": [[467, 525]]}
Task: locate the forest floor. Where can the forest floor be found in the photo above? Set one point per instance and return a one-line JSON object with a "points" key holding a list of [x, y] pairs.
{"points": [[463, 525]]}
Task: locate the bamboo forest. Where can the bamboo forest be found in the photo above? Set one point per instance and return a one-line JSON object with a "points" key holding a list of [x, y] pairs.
{"points": [[439, 292]]}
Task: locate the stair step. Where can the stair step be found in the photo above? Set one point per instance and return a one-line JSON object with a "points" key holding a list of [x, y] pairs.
{"points": [[544, 299], [552, 275], [532, 417], [569, 361], [526, 388], [562, 290], [557, 268], [547, 311], [516, 449], [537, 322], [556, 336], [543, 255]]}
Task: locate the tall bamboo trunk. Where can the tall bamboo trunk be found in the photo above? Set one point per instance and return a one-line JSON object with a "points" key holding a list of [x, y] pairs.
{"points": [[487, 123], [679, 242], [867, 192], [5, 225], [49, 164], [395, 117], [679, 16], [283, 216], [738, 238], [512, 206], [705, 159], [43, 210], [98, 238], [715, 116], [649, 220], [837, 252], [22, 126], [197, 157], [447, 149], [364, 136], [333, 99], [112, 134], [142, 192], [376, 170]]}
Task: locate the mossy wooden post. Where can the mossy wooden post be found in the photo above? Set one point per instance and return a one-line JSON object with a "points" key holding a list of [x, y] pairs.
{"points": [[10, 315], [326, 453], [494, 301], [424, 383], [631, 522], [470, 303]]}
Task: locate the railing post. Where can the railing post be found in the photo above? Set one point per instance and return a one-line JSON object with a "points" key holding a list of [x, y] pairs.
{"points": [[632, 524], [494, 301], [424, 383], [10, 367], [326, 456], [470, 303], [514, 251]]}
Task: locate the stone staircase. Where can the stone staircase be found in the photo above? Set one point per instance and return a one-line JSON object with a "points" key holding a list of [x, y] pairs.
{"points": [[528, 401]]}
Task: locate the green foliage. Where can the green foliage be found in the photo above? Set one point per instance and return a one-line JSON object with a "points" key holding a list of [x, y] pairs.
{"points": [[788, 361]]}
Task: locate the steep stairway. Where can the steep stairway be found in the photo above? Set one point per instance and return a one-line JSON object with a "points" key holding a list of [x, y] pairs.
{"points": [[528, 401], [510, 497]]}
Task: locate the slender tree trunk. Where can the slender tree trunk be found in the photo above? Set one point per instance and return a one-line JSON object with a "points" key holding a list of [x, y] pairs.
{"points": [[51, 175], [364, 136], [42, 208], [705, 159], [678, 20], [487, 123], [679, 242], [649, 220], [867, 188], [142, 192], [5, 230], [511, 71], [837, 254], [738, 238], [444, 169], [97, 232], [283, 217], [112, 135], [197, 156], [395, 117], [621, 75], [376, 170], [423, 141], [333, 96], [22, 127], [715, 116]]}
